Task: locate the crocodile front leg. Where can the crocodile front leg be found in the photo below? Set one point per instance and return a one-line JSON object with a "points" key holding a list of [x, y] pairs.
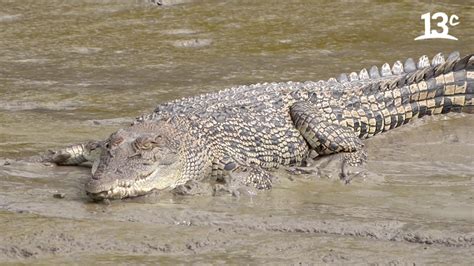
{"points": [[74, 154], [255, 177], [326, 136], [229, 171]]}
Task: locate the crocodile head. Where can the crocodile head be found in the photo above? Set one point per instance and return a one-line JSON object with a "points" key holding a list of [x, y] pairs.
{"points": [[135, 161]]}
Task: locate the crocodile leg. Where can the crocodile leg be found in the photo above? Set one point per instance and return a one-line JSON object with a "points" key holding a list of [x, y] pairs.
{"points": [[253, 176], [74, 154], [229, 170], [259, 178], [326, 136]]}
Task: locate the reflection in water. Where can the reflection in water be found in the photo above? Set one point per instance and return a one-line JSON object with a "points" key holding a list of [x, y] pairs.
{"points": [[77, 70]]}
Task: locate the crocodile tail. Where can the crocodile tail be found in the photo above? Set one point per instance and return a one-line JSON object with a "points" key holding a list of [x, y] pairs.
{"points": [[441, 86], [469, 95], [398, 68]]}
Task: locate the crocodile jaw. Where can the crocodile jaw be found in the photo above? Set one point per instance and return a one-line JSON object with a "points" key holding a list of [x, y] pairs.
{"points": [[163, 177]]}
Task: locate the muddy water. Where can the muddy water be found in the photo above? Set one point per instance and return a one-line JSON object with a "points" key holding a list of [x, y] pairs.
{"points": [[78, 70]]}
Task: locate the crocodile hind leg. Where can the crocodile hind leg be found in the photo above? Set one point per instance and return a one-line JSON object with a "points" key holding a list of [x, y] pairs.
{"points": [[326, 136]]}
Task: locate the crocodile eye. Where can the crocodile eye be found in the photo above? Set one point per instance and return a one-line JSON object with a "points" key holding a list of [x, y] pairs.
{"points": [[143, 143]]}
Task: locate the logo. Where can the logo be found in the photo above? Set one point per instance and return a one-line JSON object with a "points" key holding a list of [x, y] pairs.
{"points": [[444, 24]]}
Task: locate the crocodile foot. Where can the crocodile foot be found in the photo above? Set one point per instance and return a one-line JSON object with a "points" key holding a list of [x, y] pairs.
{"points": [[339, 166], [71, 155], [301, 170], [350, 172], [253, 176]]}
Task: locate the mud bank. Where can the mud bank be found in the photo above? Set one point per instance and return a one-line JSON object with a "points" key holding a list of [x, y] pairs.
{"points": [[72, 71]]}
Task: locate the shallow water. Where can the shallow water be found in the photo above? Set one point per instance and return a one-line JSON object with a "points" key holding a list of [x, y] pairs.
{"points": [[77, 70]]}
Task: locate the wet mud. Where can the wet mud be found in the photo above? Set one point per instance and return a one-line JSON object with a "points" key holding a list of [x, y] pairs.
{"points": [[111, 61], [401, 218]]}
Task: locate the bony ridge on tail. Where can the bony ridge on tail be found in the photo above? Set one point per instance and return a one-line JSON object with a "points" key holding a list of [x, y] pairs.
{"points": [[253, 129]]}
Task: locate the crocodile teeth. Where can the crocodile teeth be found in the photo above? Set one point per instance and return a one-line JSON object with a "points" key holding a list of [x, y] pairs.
{"points": [[342, 78], [397, 68], [374, 72], [385, 70], [363, 74], [438, 59], [453, 56], [423, 62], [125, 184], [409, 65], [353, 76]]}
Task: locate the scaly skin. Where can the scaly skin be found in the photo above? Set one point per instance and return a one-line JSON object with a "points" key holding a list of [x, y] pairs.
{"points": [[243, 132]]}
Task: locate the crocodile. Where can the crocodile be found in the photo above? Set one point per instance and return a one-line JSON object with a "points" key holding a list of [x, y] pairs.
{"points": [[245, 132]]}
